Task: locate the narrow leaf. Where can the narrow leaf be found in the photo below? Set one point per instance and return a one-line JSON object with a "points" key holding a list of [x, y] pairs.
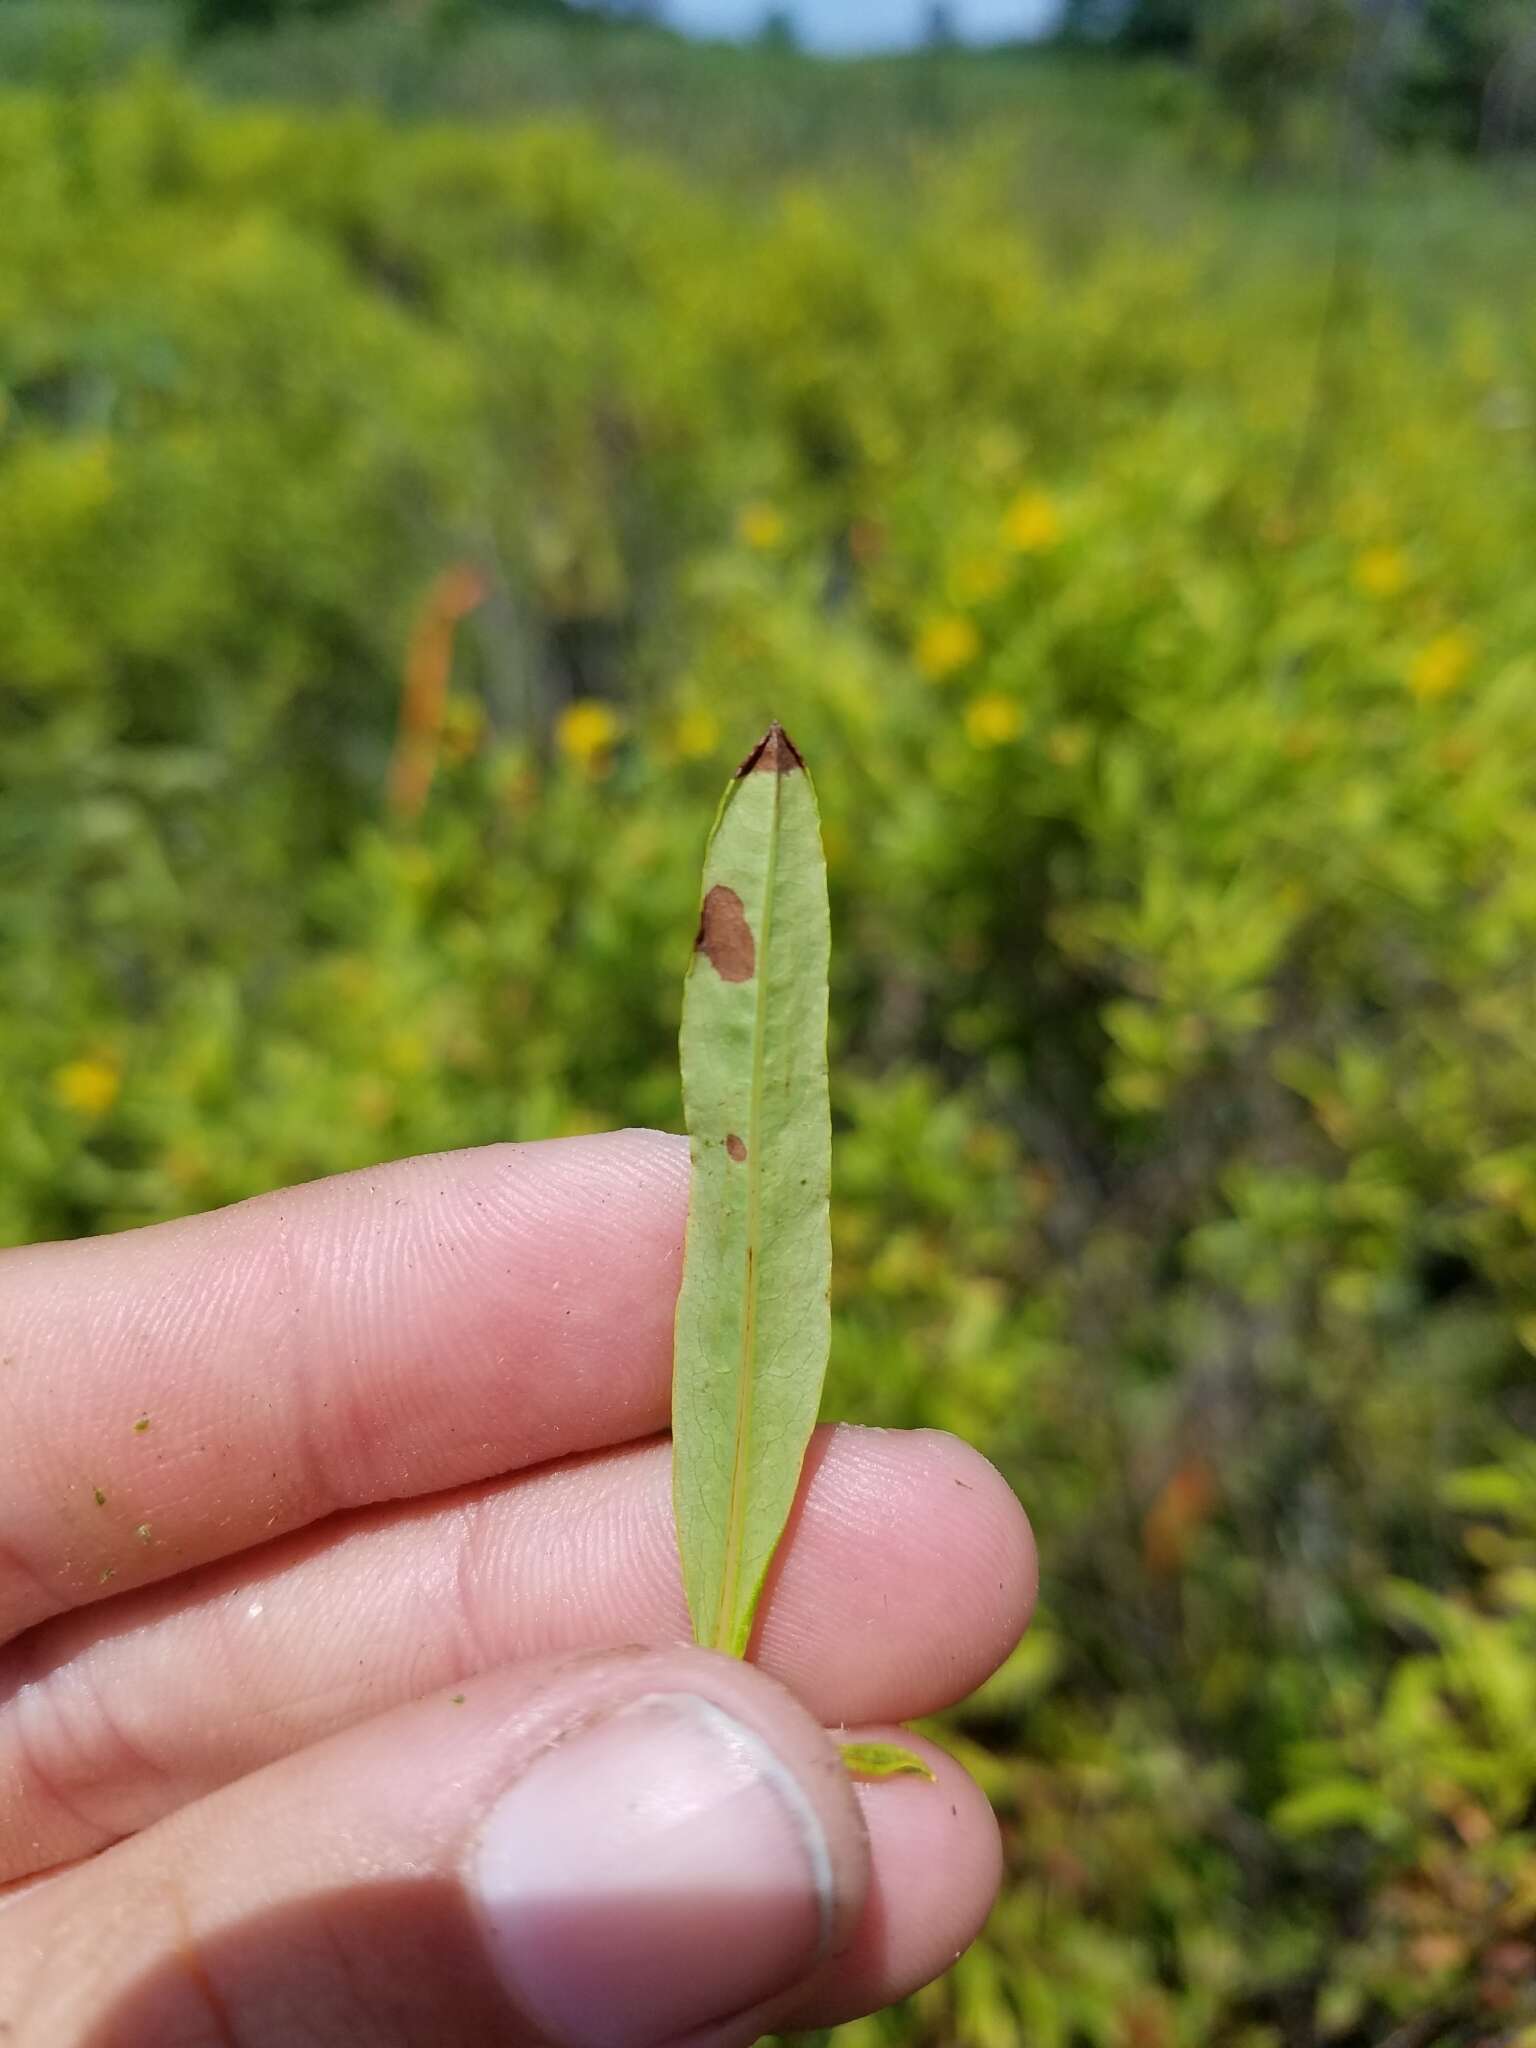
{"points": [[883, 1760], [752, 1314]]}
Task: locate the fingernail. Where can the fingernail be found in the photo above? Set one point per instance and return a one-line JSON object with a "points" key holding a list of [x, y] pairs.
{"points": [[658, 1871]]}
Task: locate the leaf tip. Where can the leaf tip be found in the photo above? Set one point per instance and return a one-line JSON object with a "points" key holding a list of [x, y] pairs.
{"points": [[774, 754]]}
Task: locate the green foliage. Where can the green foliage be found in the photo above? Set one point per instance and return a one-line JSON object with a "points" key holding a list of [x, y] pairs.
{"points": [[398, 529], [1446, 72], [1432, 1778], [219, 17], [223, 17], [1464, 59], [1143, 27], [1265, 56], [740, 111]]}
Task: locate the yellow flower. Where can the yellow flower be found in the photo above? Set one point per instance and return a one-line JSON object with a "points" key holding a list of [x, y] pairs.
{"points": [[1031, 523], [946, 644], [760, 525], [585, 733], [1380, 572], [992, 720], [975, 578], [696, 735], [89, 1087], [1441, 664]]}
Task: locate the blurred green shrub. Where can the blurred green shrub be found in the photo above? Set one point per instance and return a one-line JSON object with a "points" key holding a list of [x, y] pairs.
{"points": [[1448, 73], [225, 17], [219, 17], [401, 532]]}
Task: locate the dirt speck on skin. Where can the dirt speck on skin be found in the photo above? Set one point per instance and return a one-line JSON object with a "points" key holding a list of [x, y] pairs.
{"points": [[141, 1425], [98, 1496], [735, 1147], [108, 1571], [144, 1533], [456, 1699]]}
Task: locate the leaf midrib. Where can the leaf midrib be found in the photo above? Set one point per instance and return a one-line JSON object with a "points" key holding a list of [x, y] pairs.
{"points": [[741, 1463]]}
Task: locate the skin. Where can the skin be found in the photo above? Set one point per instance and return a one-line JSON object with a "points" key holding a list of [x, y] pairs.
{"points": [[406, 1498]]}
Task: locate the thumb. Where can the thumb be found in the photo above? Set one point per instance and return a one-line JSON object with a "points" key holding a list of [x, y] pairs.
{"points": [[619, 1850]]}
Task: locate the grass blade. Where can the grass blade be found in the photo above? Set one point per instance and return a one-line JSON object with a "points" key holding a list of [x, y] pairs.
{"points": [[752, 1315]]}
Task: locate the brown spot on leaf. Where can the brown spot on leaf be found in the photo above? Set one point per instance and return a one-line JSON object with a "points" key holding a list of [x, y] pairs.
{"points": [[735, 1147], [774, 754], [725, 938]]}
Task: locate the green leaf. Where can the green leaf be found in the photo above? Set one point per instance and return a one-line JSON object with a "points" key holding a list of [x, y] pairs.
{"points": [[753, 1322], [1489, 1489], [1332, 1803], [883, 1760]]}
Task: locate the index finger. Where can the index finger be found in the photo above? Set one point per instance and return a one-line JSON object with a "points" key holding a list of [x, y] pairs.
{"points": [[178, 1393]]}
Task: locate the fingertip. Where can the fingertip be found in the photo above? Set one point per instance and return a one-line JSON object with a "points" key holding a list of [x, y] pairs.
{"points": [[689, 1854], [673, 1144], [936, 1864], [637, 1150], [607, 1851], [907, 1576], [1008, 1555]]}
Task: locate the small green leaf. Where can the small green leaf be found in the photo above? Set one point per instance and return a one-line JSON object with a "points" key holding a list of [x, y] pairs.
{"points": [[1332, 1803], [753, 1322], [883, 1760]]}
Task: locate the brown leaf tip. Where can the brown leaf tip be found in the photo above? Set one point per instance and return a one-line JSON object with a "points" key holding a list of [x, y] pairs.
{"points": [[725, 938], [775, 754], [735, 1147]]}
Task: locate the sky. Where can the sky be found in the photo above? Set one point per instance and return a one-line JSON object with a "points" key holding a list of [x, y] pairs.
{"points": [[846, 25]]}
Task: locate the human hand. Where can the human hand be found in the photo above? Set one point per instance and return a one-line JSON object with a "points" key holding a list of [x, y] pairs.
{"points": [[322, 1518]]}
